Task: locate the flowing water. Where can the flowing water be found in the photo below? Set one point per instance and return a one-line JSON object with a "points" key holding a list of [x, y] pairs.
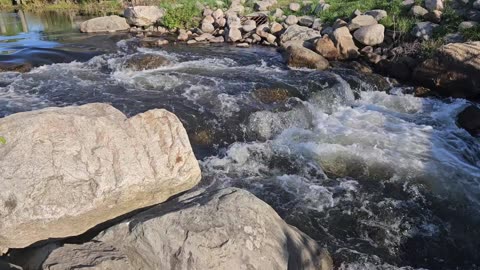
{"points": [[383, 179]]}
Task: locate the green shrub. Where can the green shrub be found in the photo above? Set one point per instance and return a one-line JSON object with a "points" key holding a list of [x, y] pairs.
{"points": [[184, 14], [2, 140], [472, 34]]}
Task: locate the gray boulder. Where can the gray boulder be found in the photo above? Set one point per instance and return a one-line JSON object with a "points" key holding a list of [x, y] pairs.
{"points": [[66, 170], [360, 21], [306, 21], [424, 30], [143, 15], [291, 20], [370, 35], [104, 24], [418, 11], [467, 25], [221, 229], [378, 14], [300, 35], [432, 5]]}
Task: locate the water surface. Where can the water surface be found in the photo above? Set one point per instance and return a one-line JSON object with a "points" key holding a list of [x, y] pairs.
{"points": [[383, 179]]}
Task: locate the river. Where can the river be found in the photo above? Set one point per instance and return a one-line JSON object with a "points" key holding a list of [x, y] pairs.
{"points": [[383, 179]]}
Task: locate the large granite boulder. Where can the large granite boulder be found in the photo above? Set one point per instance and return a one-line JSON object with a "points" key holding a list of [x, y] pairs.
{"points": [[221, 229], [453, 71], [139, 62], [104, 24], [296, 34], [66, 170], [143, 15]]}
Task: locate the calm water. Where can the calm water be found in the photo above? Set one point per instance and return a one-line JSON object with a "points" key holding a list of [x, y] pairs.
{"points": [[48, 37], [383, 179]]}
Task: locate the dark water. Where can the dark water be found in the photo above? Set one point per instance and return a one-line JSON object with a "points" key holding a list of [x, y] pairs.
{"points": [[383, 179]]}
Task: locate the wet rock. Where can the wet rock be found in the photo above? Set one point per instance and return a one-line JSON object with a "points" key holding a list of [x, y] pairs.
{"points": [[291, 20], [473, 15], [476, 5], [13, 67], [299, 35], [418, 11], [294, 7], [209, 231], [370, 35], [377, 14], [306, 21], [191, 42], [424, 30], [104, 24], [146, 61], [432, 5], [399, 67], [453, 71], [104, 164], [271, 95], [8, 266], [344, 43], [469, 119], [360, 21], [325, 47], [243, 45], [218, 39], [143, 15], [421, 91], [152, 42], [301, 57]]}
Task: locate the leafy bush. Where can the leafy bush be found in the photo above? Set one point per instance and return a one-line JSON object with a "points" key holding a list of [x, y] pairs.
{"points": [[472, 34], [184, 14]]}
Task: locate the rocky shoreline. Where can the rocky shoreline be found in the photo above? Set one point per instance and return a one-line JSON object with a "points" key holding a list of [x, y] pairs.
{"points": [[360, 42]]}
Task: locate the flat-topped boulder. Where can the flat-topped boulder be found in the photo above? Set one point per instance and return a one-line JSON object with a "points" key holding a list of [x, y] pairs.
{"points": [[220, 229], [66, 170], [453, 71], [104, 24]]}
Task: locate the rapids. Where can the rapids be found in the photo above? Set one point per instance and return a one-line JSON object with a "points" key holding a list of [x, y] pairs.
{"points": [[383, 179]]}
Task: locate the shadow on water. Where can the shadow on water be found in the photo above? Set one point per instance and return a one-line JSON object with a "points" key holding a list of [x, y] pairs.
{"points": [[382, 180]]}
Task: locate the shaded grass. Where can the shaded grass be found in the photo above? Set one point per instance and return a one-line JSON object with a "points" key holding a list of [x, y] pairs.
{"points": [[93, 7], [472, 34]]}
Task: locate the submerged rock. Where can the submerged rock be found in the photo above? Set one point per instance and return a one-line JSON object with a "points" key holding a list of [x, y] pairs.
{"points": [[22, 68], [146, 61], [143, 15], [271, 95], [200, 231], [66, 170], [469, 119], [104, 24], [299, 56], [453, 71]]}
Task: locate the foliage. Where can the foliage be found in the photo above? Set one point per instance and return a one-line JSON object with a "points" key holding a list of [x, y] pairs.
{"points": [[2, 140], [180, 14], [430, 47], [472, 34]]}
